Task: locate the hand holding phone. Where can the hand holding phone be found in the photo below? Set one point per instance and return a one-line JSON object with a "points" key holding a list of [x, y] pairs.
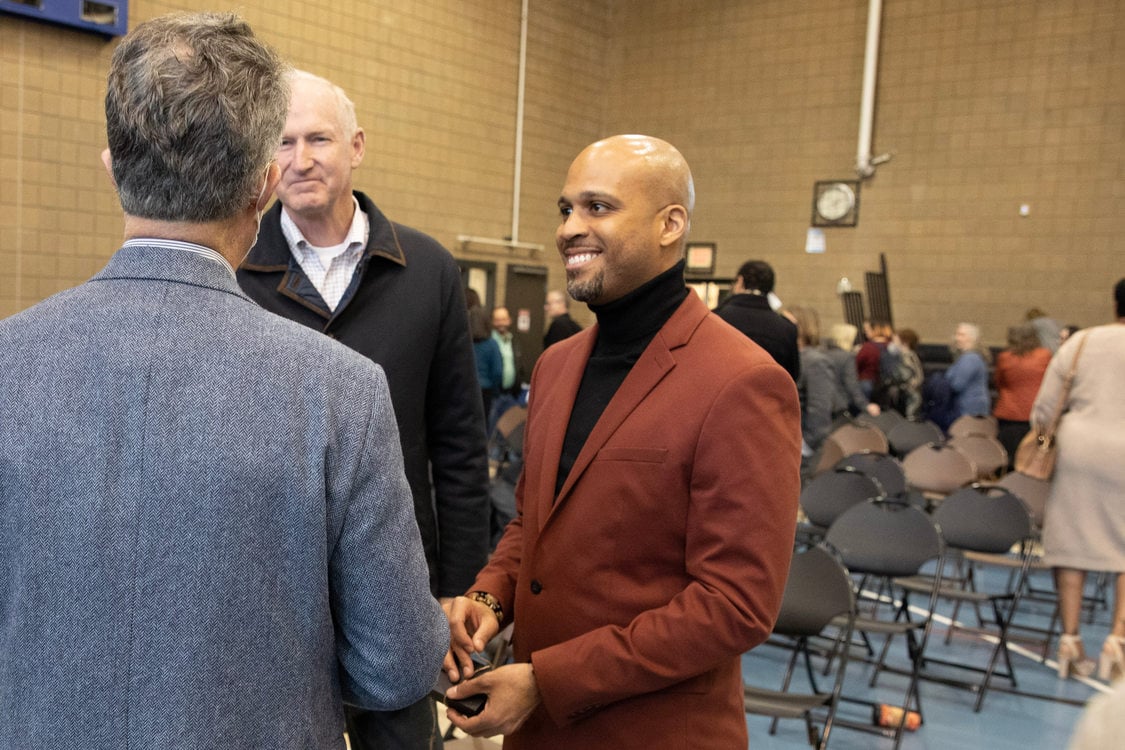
{"points": [[468, 706]]}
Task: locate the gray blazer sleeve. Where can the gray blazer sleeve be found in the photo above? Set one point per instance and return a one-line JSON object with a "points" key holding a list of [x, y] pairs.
{"points": [[391, 634]]}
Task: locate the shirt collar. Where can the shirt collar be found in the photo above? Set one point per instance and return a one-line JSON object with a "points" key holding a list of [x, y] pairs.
{"points": [[357, 232], [189, 247]]}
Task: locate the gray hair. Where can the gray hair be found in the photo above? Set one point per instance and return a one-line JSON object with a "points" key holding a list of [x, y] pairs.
{"points": [[195, 106], [345, 108]]}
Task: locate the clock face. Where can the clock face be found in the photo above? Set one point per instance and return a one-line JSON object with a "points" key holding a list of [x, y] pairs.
{"points": [[835, 201]]}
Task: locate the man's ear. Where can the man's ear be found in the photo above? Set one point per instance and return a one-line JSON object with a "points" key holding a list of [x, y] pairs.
{"points": [[739, 285], [107, 161], [675, 224], [359, 147]]}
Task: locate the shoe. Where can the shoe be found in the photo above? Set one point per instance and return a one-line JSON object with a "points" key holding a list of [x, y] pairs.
{"points": [[1112, 664], [1072, 657]]}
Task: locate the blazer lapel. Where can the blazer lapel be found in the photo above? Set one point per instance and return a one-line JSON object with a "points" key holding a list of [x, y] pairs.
{"points": [[654, 364]]}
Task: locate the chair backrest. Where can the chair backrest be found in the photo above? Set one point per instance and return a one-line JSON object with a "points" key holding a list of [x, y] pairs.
{"points": [[887, 470], [983, 519], [986, 453], [510, 419], [938, 469], [827, 456], [857, 436], [828, 495], [907, 436], [885, 538], [1032, 491], [819, 589], [974, 424], [887, 420]]}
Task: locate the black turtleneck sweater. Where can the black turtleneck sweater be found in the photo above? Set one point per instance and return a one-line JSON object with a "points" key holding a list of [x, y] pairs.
{"points": [[625, 328]]}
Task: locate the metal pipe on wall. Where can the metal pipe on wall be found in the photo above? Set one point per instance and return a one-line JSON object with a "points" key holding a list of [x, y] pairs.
{"points": [[517, 172], [864, 165]]}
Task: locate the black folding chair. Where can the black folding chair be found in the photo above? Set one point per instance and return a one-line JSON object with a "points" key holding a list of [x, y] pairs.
{"points": [[884, 541], [818, 593], [981, 520]]}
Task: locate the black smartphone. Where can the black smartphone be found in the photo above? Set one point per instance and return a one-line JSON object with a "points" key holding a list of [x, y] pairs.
{"points": [[468, 706]]}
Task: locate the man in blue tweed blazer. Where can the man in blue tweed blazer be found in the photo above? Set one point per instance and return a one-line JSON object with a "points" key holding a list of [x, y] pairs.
{"points": [[206, 535]]}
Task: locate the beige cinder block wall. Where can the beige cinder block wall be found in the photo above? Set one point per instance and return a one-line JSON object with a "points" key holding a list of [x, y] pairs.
{"points": [[985, 104], [435, 86]]}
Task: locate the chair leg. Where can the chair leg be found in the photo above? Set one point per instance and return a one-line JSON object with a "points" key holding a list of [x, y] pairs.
{"points": [[1000, 648], [802, 643]]}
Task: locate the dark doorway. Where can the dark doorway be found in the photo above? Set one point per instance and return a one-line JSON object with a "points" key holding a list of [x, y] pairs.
{"points": [[526, 290]]}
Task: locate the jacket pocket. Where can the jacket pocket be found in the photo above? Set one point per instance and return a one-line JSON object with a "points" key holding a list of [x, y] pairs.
{"points": [[646, 455]]}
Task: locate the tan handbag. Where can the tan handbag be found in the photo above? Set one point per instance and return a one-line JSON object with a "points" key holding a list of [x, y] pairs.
{"points": [[1038, 450]]}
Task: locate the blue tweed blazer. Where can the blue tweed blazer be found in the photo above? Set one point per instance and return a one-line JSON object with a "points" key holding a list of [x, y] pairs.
{"points": [[206, 536]]}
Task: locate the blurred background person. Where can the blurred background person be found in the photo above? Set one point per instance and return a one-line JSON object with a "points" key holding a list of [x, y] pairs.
{"points": [[490, 367], [509, 351], [1047, 329], [1068, 331], [910, 391], [968, 375], [876, 338], [749, 310], [1084, 526], [562, 326], [1019, 372], [815, 385], [848, 399]]}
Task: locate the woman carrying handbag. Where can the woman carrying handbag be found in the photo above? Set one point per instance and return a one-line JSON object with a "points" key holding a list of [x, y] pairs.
{"points": [[1084, 526]]}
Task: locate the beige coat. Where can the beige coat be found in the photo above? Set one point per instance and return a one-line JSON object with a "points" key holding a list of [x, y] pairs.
{"points": [[1084, 526]]}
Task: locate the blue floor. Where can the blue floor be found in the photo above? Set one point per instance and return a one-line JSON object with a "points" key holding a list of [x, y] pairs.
{"points": [[1005, 722]]}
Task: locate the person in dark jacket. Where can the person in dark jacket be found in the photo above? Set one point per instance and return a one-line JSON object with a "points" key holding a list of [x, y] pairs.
{"points": [[748, 310], [326, 257], [557, 307]]}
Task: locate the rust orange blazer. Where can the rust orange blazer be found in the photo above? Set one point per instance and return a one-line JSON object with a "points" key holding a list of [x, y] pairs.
{"points": [[664, 556]]}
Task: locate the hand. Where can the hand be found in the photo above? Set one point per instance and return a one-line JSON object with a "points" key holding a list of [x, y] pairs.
{"points": [[513, 694], [873, 409], [472, 625]]}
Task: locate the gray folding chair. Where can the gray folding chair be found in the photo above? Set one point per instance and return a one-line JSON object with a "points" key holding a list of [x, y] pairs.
{"points": [[887, 420], [828, 495], [857, 436], [883, 542], [986, 453], [935, 470], [983, 520], [885, 469], [907, 436], [973, 424], [817, 594]]}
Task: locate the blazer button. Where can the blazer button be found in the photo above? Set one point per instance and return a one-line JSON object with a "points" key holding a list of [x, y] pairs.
{"points": [[536, 587]]}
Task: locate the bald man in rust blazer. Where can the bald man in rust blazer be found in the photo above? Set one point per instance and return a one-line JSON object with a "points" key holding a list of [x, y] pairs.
{"points": [[659, 495]]}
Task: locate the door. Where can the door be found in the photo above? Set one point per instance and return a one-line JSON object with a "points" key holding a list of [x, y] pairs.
{"points": [[526, 291]]}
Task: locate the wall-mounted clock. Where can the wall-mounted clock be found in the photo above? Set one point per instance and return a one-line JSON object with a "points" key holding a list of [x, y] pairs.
{"points": [[835, 203]]}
